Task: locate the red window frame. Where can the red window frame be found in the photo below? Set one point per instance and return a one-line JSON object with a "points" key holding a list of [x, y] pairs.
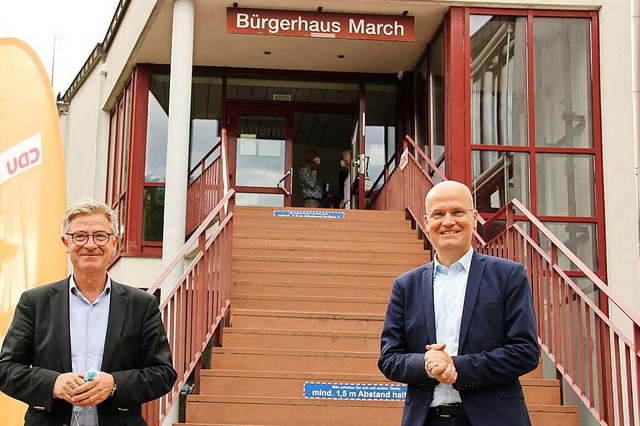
{"points": [[130, 193], [458, 148]]}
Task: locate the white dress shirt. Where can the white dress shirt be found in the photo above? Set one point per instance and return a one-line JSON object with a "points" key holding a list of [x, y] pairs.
{"points": [[449, 288], [88, 332]]}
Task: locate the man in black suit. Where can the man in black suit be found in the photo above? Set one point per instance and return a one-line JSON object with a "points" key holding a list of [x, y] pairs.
{"points": [[87, 321], [460, 330]]}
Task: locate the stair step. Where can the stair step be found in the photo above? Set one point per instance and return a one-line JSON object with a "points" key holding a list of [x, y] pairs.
{"points": [[319, 264], [416, 254], [302, 339], [318, 412], [245, 212], [561, 415], [289, 384], [340, 242], [296, 226], [300, 275], [255, 383], [331, 321], [309, 303], [295, 288], [291, 411], [227, 358]]}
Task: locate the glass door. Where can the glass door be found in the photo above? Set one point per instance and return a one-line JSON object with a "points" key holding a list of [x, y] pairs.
{"points": [[260, 152]]}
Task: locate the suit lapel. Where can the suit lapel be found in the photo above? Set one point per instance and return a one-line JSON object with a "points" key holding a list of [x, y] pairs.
{"points": [[427, 296], [117, 312], [476, 270], [59, 306]]}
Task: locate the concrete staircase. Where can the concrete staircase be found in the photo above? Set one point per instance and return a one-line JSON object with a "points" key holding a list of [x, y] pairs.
{"points": [[308, 303]]}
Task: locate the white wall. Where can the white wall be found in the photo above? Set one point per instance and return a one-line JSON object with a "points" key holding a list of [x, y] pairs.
{"points": [[132, 31], [85, 141], [136, 271], [619, 145]]}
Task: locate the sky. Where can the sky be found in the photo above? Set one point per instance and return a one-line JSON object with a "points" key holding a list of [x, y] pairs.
{"points": [[76, 25]]}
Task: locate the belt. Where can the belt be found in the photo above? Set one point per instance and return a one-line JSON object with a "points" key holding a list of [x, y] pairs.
{"points": [[448, 410], [311, 198]]}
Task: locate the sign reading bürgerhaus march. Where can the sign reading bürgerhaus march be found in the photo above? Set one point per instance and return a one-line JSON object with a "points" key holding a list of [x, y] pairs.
{"points": [[320, 24]]}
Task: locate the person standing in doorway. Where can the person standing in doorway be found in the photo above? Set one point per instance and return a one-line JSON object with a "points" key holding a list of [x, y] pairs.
{"points": [[311, 181], [461, 329], [346, 197], [86, 350]]}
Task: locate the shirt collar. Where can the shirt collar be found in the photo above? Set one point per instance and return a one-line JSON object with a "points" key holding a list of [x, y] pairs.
{"points": [[73, 288], [464, 261]]}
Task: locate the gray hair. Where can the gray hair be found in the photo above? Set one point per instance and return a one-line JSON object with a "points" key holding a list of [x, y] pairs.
{"points": [[89, 206]]}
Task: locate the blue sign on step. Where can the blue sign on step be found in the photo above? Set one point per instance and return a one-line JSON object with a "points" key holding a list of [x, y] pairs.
{"points": [[318, 214], [355, 391]]}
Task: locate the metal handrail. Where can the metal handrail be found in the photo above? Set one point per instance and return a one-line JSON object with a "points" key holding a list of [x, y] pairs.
{"points": [[202, 163], [205, 189], [539, 226], [415, 208], [594, 355], [196, 306]]}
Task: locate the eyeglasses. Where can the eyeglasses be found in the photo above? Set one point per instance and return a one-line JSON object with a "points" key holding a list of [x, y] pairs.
{"points": [[457, 213], [81, 238]]}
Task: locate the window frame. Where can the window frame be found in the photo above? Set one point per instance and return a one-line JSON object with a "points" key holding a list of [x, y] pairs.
{"points": [[459, 114]]}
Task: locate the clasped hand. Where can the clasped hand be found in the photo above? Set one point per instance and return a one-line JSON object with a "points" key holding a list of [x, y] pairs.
{"points": [[439, 364], [72, 388]]}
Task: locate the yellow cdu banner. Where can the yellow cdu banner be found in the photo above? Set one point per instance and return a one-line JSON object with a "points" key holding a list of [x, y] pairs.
{"points": [[32, 188]]}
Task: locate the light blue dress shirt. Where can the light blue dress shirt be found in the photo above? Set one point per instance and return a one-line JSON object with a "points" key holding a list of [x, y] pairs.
{"points": [[449, 288], [88, 326]]}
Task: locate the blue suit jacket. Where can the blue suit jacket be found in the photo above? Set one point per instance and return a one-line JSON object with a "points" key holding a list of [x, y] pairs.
{"points": [[498, 342]]}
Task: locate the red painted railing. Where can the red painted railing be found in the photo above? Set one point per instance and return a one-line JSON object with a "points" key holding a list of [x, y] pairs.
{"points": [[205, 188], [577, 330], [408, 176], [589, 348], [196, 306]]}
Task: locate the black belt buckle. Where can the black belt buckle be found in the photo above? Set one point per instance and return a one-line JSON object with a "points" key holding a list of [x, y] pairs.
{"points": [[448, 410]]}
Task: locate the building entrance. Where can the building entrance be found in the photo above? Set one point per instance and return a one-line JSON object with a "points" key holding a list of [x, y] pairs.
{"points": [[270, 141]]}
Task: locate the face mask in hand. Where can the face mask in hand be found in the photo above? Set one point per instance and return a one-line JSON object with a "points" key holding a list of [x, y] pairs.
{"points": [[317, 160]]}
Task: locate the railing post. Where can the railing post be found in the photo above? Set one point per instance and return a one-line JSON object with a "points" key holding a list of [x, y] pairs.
{"points": [[509, 234]]}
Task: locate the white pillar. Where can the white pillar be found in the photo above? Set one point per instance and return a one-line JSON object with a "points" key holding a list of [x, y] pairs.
{"points": [[175, 203]]}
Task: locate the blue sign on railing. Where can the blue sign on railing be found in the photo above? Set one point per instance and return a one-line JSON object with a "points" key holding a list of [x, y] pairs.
{"points": [[318, 214], [356, 391]]}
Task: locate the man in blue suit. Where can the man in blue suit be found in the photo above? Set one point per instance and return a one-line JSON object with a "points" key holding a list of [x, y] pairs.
{"points": [[460, 330]]}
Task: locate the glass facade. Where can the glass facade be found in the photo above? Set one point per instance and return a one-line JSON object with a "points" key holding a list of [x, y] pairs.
{"points": [[563, 82], [498, 177], [498, 80], [380, 127], [529, 134], [542, 155], [157, 127], [437, 102]]}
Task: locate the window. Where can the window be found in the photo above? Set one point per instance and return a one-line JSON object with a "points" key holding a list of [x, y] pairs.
{"points": [[155, 172], [532, 122], [118, 157]]}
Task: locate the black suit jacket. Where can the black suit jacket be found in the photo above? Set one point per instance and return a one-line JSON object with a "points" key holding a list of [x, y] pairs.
{"points": [[37, 349], [498, 342]]}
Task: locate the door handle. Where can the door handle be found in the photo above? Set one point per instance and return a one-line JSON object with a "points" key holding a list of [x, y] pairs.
{"points": [[282, 188]]}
